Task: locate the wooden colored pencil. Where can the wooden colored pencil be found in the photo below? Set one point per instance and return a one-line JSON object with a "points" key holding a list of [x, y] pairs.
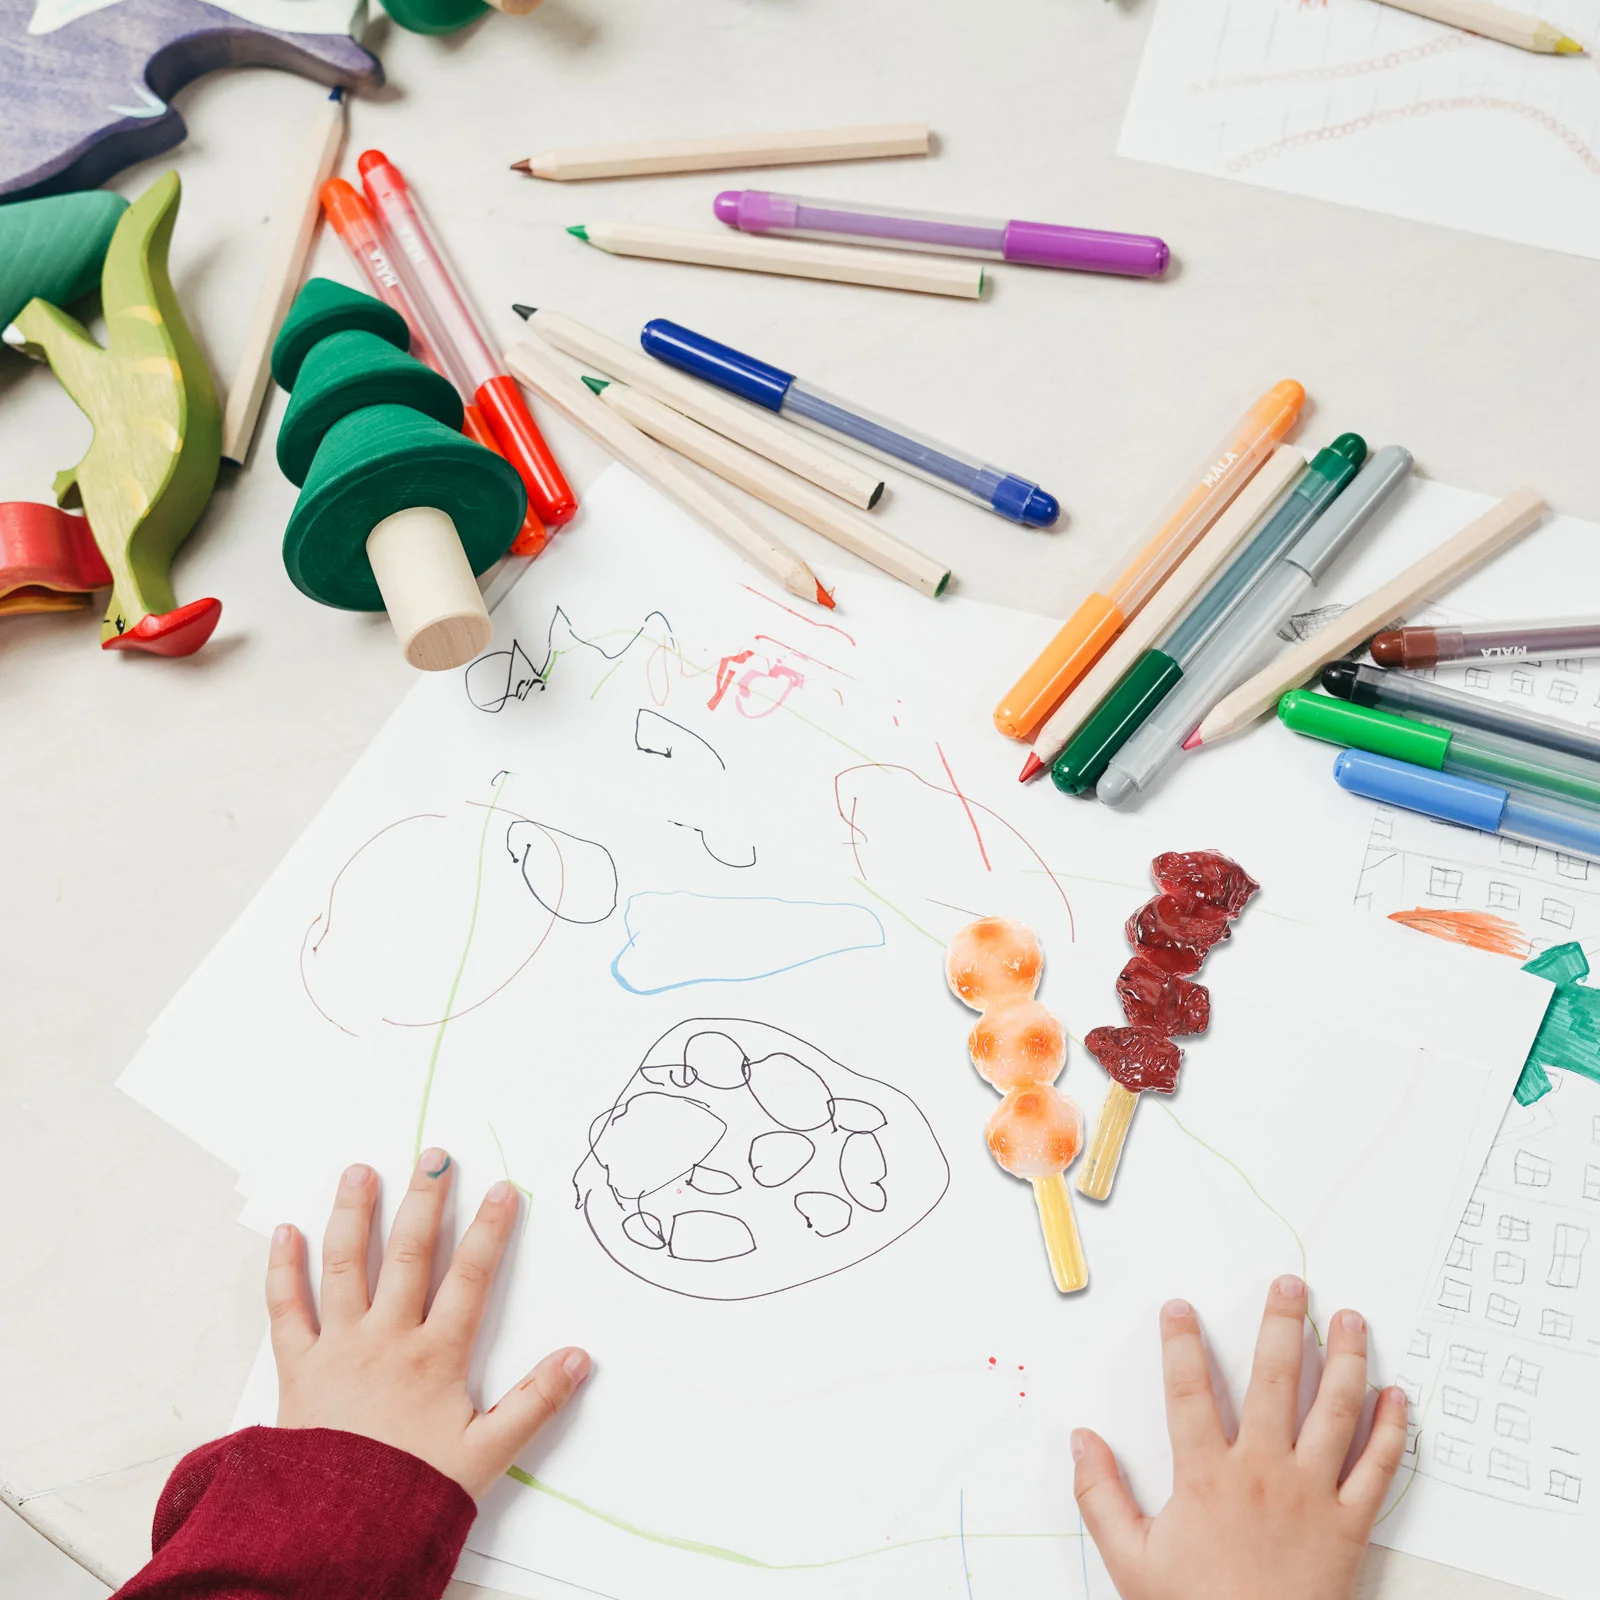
{"points": [[1274, 475], [1476, 542], [1494, 22], [781, 490], [647, 157], [535, 365], [286, 261], [756, 430], [789, 258]]}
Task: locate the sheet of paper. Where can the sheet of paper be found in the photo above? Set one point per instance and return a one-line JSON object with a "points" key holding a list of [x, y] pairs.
{"points": [[705, 843], [1368, 105]]}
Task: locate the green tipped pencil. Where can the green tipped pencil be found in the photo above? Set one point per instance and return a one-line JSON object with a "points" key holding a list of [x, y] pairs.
{"points": [[789, 258]]}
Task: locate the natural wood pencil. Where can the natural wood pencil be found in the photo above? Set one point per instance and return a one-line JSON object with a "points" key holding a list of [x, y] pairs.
{"points": [[781, 490], [1494, 22], [1152, 619], [535, 365], [647, 157], [1437, 570], [782, 442], [285, 263], [789, 258]]}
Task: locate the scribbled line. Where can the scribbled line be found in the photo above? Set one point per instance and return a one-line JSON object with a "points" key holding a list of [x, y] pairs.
{"points": [[634, 936], [977, 833], [325, 917], [898, 912], [705, 844], [856, 832], [1476, 102], [738, 1558], [461, 967], [815, 660], [1481, 930], [489, 691], [591, 913], [961, 1531], [1299, 1243], [1343, 69], [667, 748], [813, 621]]}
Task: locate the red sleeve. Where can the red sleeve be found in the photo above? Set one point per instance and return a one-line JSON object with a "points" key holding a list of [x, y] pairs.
{"points": [[307, 1512]]}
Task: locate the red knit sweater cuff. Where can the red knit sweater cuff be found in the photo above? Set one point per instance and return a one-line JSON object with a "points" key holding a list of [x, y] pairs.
{"points": [[312, 1512]]}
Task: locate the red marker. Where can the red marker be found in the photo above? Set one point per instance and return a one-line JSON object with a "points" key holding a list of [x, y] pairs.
{"points": [[351, 218], [457, 336]]}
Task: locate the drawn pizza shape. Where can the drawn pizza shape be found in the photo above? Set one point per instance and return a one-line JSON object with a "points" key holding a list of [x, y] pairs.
{"points": [[739, 1161]]}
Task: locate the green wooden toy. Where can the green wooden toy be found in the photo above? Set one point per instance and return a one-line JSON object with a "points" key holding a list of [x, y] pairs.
{"points": [[398, 511], [151, 466], [54, 248]]}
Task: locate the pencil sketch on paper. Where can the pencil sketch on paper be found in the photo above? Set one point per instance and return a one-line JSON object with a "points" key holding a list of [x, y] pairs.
{"points": [[693, 783], [1369, 105], [740, 1161]]}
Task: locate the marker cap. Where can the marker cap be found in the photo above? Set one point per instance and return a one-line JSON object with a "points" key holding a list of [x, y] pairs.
{"points": [[1434, 794], [720, 364], [1319, 717], [1337, 461], [1339, 678]]}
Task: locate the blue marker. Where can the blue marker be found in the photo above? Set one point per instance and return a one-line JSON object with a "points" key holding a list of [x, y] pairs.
{"points": [[1570, 828], [813, 408]]}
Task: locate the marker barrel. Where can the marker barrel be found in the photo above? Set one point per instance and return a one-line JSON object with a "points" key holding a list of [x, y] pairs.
{"points": [[1489, 641], [1038, 244]]}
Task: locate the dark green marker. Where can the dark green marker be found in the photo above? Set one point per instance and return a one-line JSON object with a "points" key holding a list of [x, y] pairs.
{"points": [[1490, 759], [1150, 679]]}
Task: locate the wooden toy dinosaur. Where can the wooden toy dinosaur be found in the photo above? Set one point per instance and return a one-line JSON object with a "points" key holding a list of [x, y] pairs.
{"points": [[157, 442]]}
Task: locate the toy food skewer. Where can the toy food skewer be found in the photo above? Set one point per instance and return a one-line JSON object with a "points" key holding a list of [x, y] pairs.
{"points": [[1035, 1133], [398, 512], [994, 966], [1202, 892]]}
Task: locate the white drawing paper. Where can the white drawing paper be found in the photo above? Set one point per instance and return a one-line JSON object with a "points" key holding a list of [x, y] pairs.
{"points": [[1367, 105]]}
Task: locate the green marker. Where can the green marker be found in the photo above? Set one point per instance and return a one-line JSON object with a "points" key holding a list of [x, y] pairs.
{"points": [[1150, 679], [1507, 762]]}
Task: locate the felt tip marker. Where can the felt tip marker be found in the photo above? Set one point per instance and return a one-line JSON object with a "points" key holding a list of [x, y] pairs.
{"points": [[455, 332], [1139, 573], [1002, 492], [1470, 804], [1034, 244], [1236, 645], [1487, 641], [1433, 702], [1151, 678], [1483, 756]]}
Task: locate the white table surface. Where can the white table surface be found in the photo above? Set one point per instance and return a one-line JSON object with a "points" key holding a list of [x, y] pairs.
{"points": [[144, 801]]}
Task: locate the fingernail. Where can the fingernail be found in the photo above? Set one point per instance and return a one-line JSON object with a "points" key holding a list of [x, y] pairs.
{"points": [[433, 1163], [357, 1175], [1396, 1396], [576, 1366], [282, 1233], [1177, 1308], [1352, 1322], [499, 1193], [1291, 1287], [1079, 1444]]}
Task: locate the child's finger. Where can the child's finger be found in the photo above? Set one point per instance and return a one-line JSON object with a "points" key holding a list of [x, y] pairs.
{"points": [[1336, 1412], [1375, 1467], [506, 1429], [1266, 1419], [1192, 1419], [458, 1306], [344, 1247], [408, 1257], [1110, 1513], [294, 1326]]}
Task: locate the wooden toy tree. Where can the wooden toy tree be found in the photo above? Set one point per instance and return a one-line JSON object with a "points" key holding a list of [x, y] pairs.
{"points": [[398, 511]]}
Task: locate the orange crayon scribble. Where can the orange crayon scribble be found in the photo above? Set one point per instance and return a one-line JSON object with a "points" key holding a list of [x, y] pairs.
{"points": [[1481, 930]]}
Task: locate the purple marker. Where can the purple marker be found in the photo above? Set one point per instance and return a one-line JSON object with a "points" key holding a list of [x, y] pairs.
{"points": [[1035, 244]]}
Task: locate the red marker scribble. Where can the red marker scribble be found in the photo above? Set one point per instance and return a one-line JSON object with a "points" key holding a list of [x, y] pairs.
{"points": [[725, 675], [816, 660], [831, 626], [956, 790], [790, 679]]}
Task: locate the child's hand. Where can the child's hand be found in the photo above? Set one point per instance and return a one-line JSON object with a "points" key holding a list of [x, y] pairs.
{"points": [[1265, 1516], [390, 1366]]}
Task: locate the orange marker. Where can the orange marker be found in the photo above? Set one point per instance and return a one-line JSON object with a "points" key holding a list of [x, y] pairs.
{"points": [[1104, 614]]}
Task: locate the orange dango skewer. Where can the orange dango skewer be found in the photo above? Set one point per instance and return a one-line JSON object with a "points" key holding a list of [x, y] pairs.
{"points": [[992, 961], [1035, 1133], [1017, 1045]]}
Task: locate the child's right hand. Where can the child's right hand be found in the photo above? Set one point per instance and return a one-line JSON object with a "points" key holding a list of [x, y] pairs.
{"points": [[1267, 1515], [389, 1365]]}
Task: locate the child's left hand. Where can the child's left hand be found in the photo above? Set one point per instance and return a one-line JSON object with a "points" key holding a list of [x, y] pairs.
{"points": [[390, 1366]]}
